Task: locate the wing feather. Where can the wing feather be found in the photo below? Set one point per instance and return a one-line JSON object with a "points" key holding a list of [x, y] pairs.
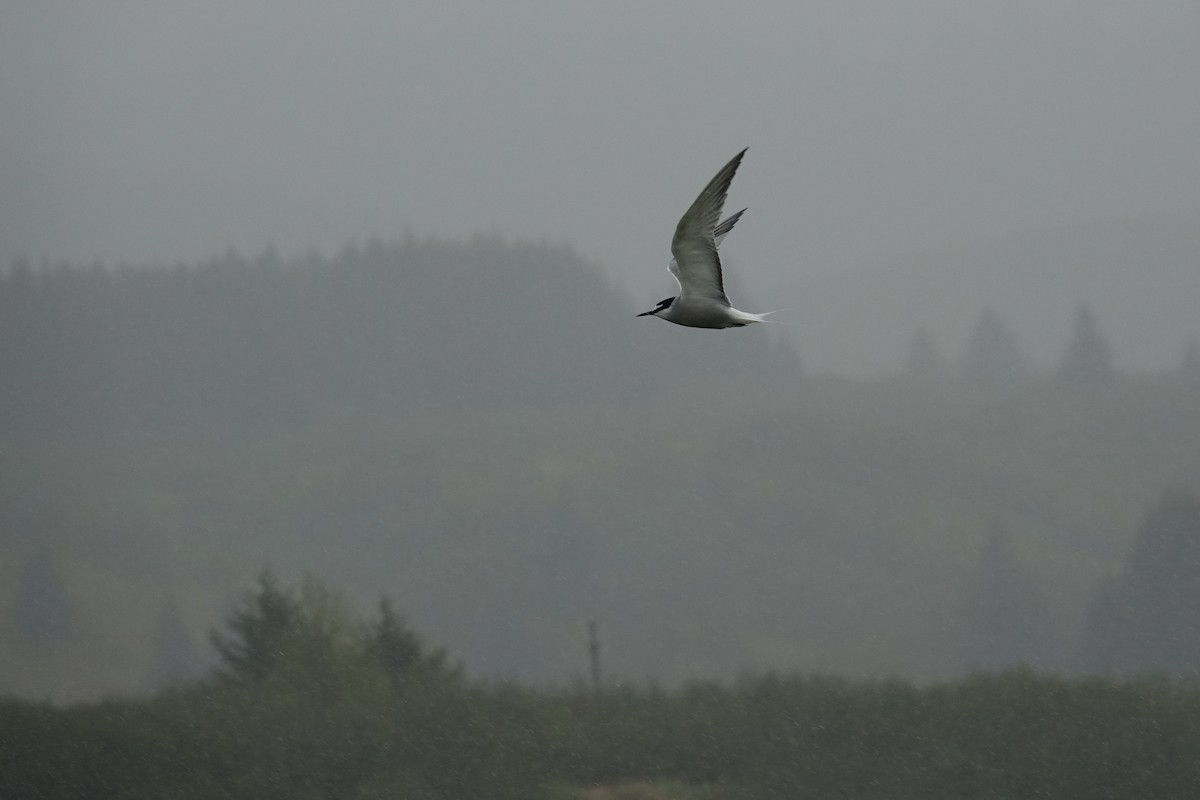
{"points": [[719, 234], [722, 230], [694, 246]]}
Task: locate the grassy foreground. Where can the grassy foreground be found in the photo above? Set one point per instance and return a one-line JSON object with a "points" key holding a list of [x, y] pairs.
{"points": [[309, 702], [998, 736]]}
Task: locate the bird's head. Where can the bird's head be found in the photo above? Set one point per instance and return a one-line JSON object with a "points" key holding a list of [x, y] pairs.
{"points": [[662, 306]]}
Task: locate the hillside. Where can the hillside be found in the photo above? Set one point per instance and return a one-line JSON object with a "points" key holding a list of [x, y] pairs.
{"points": [[509, 458]]}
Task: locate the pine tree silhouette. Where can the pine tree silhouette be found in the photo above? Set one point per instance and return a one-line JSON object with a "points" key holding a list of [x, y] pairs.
{"points": [[402, 654], [251, 648], [1144, 618], [1005, 614], [991, 359], [1087, 362], [925, 362]]}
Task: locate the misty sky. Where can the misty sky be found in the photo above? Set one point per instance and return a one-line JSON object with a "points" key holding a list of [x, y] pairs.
{"points": [[139, 131]]}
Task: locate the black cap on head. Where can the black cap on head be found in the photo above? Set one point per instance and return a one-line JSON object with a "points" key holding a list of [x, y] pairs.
{"points": [[662, 305]]}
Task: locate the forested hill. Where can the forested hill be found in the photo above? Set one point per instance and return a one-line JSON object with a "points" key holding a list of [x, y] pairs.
{"points": [[391, 328], [484, 432]]}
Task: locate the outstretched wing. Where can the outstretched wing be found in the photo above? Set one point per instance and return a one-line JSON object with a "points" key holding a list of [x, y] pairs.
{"points": [[697, 266], [719, 234]]}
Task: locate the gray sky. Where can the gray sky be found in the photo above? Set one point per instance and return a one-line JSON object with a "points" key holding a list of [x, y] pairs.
{"points": [[137, 131]]}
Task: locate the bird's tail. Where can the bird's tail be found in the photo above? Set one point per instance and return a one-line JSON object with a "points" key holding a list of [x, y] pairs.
{"points": [[763, 317]]}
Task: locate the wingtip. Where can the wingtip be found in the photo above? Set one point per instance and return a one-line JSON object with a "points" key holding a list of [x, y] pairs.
{"points": [[737, 158]]}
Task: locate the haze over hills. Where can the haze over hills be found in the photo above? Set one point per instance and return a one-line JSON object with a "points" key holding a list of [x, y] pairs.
{"points": [[1140, 276], [384, 327], [484, 432], [259, 366], [175, 430]]}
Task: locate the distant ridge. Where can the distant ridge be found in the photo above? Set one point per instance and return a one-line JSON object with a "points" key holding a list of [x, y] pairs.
{"points": [[1140, 277], [385, 328]]}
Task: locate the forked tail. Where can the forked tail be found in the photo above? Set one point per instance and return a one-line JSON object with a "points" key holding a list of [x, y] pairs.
{"points": [[763, 317]]}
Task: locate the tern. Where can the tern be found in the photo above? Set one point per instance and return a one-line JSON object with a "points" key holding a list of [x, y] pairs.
{"points": [[697, 268]]}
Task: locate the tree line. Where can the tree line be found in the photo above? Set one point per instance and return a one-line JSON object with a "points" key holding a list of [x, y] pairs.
{"points": [[1140, 619], [992, 361], [386, 327], [309, 699], [394, 327], [891, 482]]}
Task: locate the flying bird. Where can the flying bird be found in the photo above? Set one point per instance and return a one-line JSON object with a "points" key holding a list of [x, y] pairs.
{"points": [[697, 267]]}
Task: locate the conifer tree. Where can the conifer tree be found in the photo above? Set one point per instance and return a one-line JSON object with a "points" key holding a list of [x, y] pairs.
{"points": [[991, 359], [1006, 618], [400, 651], [1144, 619], [1087, 362], [251, 648], [925, 361]]}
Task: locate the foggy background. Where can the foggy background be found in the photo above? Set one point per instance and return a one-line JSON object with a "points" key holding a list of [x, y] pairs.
{"points": [[401, 351], [142, 132]]}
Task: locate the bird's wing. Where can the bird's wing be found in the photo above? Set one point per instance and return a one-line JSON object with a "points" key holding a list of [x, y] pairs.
{"points": [[722, 230], [697, 266], [719, 234]]}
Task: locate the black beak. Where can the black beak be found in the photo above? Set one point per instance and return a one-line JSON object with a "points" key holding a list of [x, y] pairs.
{"points": [[646, 313]]}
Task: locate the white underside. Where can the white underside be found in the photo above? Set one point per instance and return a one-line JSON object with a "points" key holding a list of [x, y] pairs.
{"points": [[702, 312]]}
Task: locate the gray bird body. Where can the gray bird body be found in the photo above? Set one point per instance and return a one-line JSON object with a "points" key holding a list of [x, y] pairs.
{"points": [[701, 302]]}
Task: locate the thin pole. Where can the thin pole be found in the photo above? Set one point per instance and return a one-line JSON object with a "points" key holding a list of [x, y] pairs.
{"points": [[594, 653]]}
